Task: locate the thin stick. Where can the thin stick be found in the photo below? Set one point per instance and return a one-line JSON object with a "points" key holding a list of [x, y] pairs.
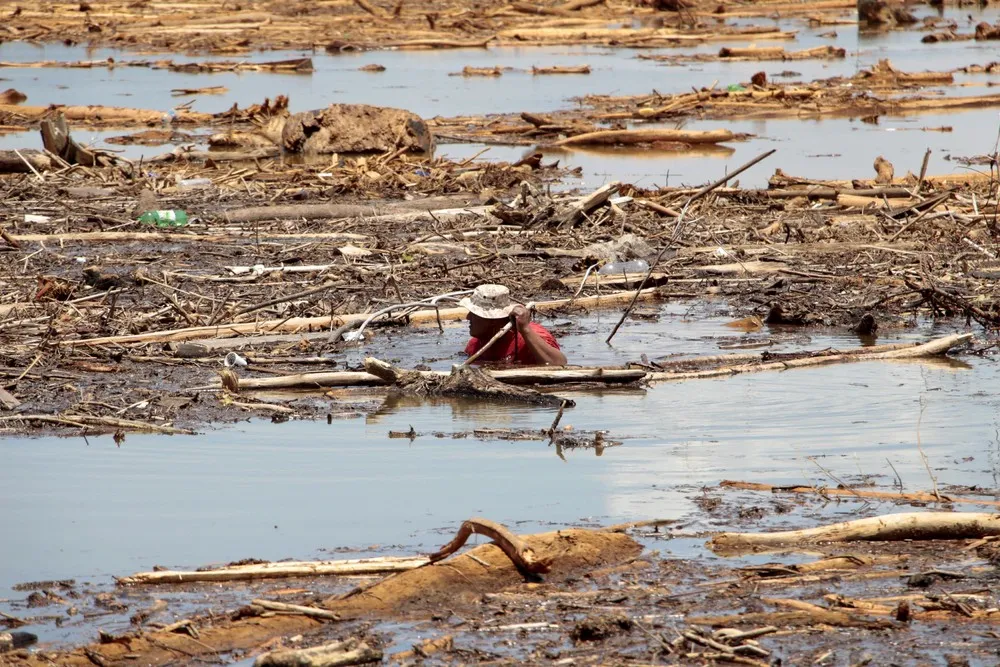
{"points": [[30, 166], [500, 334], [555, 422], [923, 173], [677, 232], [281, 299], [920, 448]]}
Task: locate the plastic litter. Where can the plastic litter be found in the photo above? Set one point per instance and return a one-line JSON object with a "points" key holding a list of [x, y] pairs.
{"points": [[234, 360], [617, 268], [164, 218], [194, 182]]}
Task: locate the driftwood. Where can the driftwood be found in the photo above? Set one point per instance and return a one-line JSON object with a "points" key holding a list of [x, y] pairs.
{"points": [[331, 321], [257, 571], [935, 347], [579, 209], [24, 162], [519, 553], [890, 527], [647, 136], [57, 140], [334, 654], [514, 376], [355, 128], [462, 381], [284, 607], [918, 497]]}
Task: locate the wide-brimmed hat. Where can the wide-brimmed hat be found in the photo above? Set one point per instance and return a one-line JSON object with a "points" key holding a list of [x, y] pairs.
{"points": [[491, 302]]}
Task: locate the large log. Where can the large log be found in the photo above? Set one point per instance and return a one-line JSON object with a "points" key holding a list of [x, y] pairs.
{"points": [[935, 347], [327, 322], [11, 163], [890, 527], [514, 376], [102, 115], [334, 654], [646, 136], [356, 128], [278, 570]]}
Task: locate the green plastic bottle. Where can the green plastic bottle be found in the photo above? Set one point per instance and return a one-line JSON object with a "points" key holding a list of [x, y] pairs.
{"points": [[164, 218]]}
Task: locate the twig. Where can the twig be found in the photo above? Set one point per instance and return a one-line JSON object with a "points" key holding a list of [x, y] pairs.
{"points": [[497, 336], [677, 233]]}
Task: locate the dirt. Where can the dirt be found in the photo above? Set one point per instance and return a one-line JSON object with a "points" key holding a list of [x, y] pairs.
{"points": [[607, 595]]}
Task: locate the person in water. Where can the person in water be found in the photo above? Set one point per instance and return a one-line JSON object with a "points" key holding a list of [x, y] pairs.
{"points": [[490, 308]]}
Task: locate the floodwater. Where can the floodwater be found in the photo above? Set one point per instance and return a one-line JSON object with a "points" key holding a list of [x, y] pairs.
{"points": [[91, 510], [422, 83]]}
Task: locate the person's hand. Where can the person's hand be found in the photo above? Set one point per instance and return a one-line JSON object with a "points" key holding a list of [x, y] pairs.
{"points": [[522, 317]]}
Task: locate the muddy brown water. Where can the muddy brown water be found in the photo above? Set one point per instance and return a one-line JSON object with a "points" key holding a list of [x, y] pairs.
{"points": [[420, 82], [89, 510]]}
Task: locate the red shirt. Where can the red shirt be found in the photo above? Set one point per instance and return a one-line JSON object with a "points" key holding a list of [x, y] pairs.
{"points": [[503, 350]]}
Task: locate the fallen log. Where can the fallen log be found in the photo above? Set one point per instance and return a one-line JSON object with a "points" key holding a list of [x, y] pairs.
{"points": [[917, 497], [29, 161], [646, 136], [335, 654], [296, 324], [935, 347], [277, 570], [102, 115], [890, 527], [571, 69], [461, 581], [514, 376], [311, 612], [779, 53], [462, 381]]}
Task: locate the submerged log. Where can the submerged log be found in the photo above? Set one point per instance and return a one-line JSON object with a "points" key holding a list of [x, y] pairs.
{"points": [[935, 347], [463, 381], [514, 376], [890, 527], [921, 497]]}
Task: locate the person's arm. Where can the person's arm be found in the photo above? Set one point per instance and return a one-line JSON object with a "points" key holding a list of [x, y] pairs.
{"points": [[541, 350]]}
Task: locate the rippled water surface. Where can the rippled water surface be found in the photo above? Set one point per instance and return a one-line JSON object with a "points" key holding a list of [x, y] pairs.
{"points": [[88, 511]]}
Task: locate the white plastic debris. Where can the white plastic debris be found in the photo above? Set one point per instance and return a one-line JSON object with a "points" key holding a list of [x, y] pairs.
{"points": [[31, 217], [234, 360]]}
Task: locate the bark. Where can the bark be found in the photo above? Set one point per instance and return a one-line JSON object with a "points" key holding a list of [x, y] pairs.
{"points": [[356, 128], [519, 553], [278, 570], [649, 136], [917, 497], [889, 527], [10, 163], [326, 322], [463, 381], [932, 348], [335, 654], [884, 171], [382, 374], [102, 115]]}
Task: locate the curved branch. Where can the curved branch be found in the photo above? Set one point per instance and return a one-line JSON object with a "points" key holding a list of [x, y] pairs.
{"points": [[520, 554]]}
